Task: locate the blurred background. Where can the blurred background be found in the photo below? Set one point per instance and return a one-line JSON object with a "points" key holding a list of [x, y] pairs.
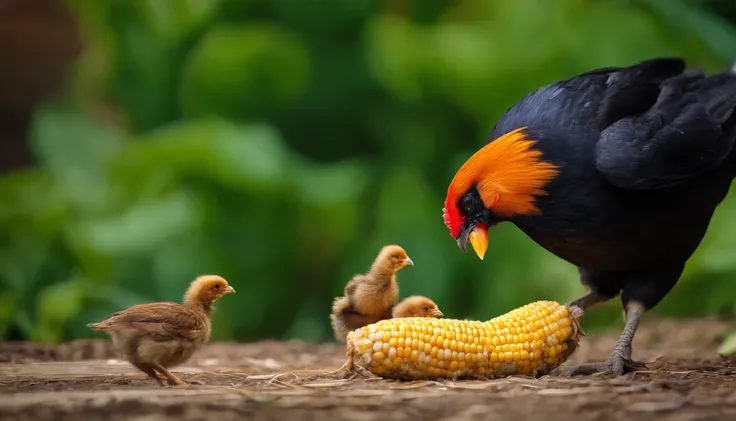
{"points": [[282, 143]]}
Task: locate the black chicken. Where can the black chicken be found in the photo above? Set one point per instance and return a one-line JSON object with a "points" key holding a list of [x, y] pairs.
{"points": [[617, 171]]}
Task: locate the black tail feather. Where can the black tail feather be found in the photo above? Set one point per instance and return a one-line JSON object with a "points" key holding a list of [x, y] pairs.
{"points": [[718, 93]]}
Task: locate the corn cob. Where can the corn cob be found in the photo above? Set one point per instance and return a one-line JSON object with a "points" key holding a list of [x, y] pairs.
{"points": [[532, 340]]}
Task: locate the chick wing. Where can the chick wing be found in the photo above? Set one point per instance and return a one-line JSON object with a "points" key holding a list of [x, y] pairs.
{"points": [[163, 321]]}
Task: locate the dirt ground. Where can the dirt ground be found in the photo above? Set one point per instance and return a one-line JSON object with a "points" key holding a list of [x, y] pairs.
{"points": [[83, 380]]}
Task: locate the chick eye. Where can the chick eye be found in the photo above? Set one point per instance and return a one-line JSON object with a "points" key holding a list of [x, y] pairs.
{"points": [[395, 256], [426, 308], [217, 286]]}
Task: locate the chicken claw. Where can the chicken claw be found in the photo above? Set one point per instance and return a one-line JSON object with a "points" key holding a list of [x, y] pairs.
{"points": [[620, 361], [616, 365]]}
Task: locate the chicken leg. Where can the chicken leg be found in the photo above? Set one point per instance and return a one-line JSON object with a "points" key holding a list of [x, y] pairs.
{"points": [[619, 362], [601, 286], [151, 373], [642, 290], [172, 379], [588, 300]]}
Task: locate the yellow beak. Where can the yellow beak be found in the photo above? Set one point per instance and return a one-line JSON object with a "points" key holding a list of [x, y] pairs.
{"points": [[479, 240]]}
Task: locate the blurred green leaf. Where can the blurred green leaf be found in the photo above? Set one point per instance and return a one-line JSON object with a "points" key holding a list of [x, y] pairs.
{"points": [[33, 203], [22, 262], [242, 71], [118, 297], [245, 157], [68, 142], [329, 197], [716, 32], [8, 307], [91, 10], [596, 40], [728, 347], [61, 301], [140, 229], [308, 327], [323, 18], [397, 51], [74, 149], [57, 304], [183, 259], [327, 185], [148, 64], [172, 20], [25, 323], [95, 67]]}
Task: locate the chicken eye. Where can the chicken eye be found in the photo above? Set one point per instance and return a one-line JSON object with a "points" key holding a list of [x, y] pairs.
{"points": [[217, 286], [426, 308], [395, 256], [468, 202]]}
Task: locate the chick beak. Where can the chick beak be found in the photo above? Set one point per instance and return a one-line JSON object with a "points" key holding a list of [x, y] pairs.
{"points": [[436, 313], [228, 290], [408, 261]]}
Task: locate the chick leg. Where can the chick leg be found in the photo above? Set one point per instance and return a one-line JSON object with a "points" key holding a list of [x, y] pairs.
{"points": [[148, 370], [152, 373], [619, 362], [172, 379]]}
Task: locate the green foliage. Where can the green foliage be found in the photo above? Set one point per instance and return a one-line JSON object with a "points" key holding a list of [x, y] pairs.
{"points": [[281, 145], [729, 345], [245, 70]]}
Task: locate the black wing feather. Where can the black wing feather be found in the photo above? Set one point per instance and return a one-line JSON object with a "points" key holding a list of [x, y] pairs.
{"points": [[634, 90], [688, 130]]}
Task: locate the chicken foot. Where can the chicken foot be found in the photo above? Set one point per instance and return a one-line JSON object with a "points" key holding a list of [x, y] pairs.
{"points": [[152, 373], [172, 379], [620, 361]]}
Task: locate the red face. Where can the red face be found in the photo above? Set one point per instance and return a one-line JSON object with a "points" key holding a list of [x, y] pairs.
{"points": [[451, 215], [463, 230]]}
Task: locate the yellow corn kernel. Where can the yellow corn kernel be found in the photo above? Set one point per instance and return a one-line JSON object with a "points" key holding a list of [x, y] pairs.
{"points": [[531, 340]]}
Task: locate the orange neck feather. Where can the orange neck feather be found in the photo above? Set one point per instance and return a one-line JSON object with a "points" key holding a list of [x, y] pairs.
{"points": [[509, 174]]}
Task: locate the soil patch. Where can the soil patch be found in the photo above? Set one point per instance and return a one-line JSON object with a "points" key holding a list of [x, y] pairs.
{"points": [[291, 380]]}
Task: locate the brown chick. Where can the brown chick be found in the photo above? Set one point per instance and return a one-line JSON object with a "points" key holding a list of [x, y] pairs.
{"points": [[369, 297], [416, 306], [345, 319], [156, 336]]}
